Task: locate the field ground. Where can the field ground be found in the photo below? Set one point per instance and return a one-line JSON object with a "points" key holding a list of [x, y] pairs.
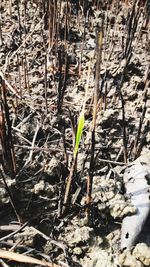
{"points": [[48, 49]]}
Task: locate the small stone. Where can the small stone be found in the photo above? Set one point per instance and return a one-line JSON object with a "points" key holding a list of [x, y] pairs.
{"points": [[100, 258], [126, 259], [77, 251], [39, 187], [82, 234], [137, 79], [91, 43], [142, 253], [53, 167], [3, 196]]}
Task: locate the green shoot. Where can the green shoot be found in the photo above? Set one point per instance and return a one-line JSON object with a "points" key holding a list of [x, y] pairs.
{"points": [[81, 117], [77, 139], [79, 132]]}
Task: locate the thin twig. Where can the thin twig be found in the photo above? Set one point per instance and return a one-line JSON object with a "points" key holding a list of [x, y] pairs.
{"points": [[60, 244], [44, 149], [10, 196], [96, 89], [33, 143], [15, 232], [9, 86]]}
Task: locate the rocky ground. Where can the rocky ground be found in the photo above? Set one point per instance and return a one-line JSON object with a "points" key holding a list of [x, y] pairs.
{"points": [[46, 55]]}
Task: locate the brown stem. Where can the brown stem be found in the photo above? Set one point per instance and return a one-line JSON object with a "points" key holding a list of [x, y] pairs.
{"points": [[96, 89]]}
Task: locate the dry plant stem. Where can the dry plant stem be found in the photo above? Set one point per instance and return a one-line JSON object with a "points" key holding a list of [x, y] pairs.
{"points": [[15, 246], [54, 33], [8, 85], [53, 13], [28, 249], [60, 197], [65, 77], [9, 162], [147, 17], [10, 7], [124, 128], [123, 108], [23, 138], [73, 128], [26, 76], [139, 132], [45, 83], [69, 180], [47, 238], [24, 71], [143, 27], [15, 232], [137, 145], [10, 197], [62, 78], [57, 19], [19, 73], [37, 27], [82, 46], [52, 150], [62, 186], [65, 147], [19, 20], [66, 23], [52, 5], [50, 21], [9, 227], [25, 14], [112, 162], [1, 36], [75, 196], [3, 264], [23, 258], [33, 143], [132, 25], [97, 78], [143, 138], [129, 33], [24, 121]]}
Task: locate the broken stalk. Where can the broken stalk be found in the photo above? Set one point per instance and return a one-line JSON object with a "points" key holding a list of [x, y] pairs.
{"points": [[97, 78]]}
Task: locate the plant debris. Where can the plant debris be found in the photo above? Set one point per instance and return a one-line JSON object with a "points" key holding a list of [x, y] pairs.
{"points": [[74, 120]]}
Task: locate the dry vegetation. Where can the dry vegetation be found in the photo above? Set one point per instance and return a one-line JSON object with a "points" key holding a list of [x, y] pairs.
{"points": [[74, 111]]}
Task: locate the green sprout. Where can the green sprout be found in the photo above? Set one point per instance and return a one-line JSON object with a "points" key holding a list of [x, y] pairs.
{"points": [[80, 128], [81, 119]]}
